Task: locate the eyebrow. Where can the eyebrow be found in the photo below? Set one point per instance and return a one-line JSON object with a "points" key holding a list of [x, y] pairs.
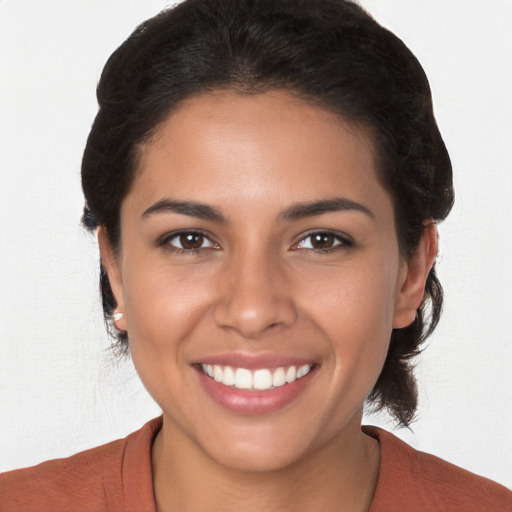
{"points": [[295, 212], [337, 204], [193, 209]]}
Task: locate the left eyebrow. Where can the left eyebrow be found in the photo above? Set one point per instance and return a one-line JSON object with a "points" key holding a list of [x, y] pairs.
{"points": [[337, 204], [190, 208]]}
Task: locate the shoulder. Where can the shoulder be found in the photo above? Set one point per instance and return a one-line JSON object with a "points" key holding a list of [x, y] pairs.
{"points": [[95, 479], [416, 481]]}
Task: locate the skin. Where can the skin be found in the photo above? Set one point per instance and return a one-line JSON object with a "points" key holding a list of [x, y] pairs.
{"points": [[257, 285]]}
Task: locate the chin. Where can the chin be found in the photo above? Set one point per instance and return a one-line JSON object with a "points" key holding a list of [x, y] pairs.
{"points": [[255, 458], [263, 448]]}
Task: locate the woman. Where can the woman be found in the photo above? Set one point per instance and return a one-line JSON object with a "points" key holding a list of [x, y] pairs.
{"points": [[265, 179]]}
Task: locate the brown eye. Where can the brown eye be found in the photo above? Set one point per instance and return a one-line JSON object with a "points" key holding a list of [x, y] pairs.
{"points": [[324, 241], [189, 241]]}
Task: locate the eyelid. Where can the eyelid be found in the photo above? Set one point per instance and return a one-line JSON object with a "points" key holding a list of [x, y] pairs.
{"points": [[344, 240], [164, 240]]}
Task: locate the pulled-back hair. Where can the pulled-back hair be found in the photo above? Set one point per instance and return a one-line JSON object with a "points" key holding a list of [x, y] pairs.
{"points": [[330, 52]]}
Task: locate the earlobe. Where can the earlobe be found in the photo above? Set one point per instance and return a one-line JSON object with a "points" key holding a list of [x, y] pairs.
{"points": [[111, 265], [415, 272]]}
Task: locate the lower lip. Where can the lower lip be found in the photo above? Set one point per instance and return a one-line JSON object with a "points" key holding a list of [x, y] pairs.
{"points": [[247, 402]]}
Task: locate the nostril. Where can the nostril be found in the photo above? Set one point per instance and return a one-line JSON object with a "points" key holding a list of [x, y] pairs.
{"points": [[254, 320]]}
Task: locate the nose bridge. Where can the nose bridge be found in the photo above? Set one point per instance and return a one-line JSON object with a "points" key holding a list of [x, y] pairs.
{"points": [[254, 294]]}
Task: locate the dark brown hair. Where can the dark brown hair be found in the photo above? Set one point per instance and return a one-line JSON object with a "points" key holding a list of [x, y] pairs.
{"points": [[330, 52]]}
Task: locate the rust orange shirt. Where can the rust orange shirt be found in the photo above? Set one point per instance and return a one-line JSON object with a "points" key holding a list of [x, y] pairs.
{"points": [[117, 477]]}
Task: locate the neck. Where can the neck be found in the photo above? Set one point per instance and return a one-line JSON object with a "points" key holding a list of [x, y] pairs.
{"points": [[340, 476]]}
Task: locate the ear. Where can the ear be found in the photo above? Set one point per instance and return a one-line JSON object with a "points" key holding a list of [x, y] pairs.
{"points": [[111, 266], [413, 277]]}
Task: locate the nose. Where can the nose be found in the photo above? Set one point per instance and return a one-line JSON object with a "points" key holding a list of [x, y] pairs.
{"points": [[254, 297]]}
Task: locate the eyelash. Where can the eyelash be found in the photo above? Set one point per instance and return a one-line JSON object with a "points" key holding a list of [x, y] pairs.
{"points": [[341, 241], [166, 241]]}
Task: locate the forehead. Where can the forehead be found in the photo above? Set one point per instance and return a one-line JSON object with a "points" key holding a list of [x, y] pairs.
{"points": [[257, 148], [260, 115]]}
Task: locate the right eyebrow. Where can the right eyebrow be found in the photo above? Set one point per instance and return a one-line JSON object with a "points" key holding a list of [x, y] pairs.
{"points": [[190, 208], [337, 204]]}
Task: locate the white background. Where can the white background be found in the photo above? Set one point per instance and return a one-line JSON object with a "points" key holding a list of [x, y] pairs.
{"points": [[60, 392]]}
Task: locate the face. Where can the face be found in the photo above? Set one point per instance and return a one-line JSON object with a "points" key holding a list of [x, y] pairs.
{"points": [[259, 275]]}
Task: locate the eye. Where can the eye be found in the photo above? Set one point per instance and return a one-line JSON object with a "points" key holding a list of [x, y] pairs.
{"points": [[323, 241], [189, 241]]}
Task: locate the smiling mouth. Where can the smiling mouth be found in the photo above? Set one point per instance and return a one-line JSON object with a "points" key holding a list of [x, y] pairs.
{"points": [[262, 379]]}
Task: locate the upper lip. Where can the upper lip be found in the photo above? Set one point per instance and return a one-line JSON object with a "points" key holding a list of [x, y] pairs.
{"points": [[254, 361]]}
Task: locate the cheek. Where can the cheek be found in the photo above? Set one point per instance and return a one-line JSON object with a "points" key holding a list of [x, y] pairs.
{"points": [[357, 300], [355, 309], [162, 310], [163, 305]]}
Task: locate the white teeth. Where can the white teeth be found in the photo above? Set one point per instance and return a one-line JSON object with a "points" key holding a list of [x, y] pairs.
{"points": [[243, 378], [262, 379], [303, 370], [279, 377], [291, 374], [228, 378], [259, 380], [217, 373]]}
